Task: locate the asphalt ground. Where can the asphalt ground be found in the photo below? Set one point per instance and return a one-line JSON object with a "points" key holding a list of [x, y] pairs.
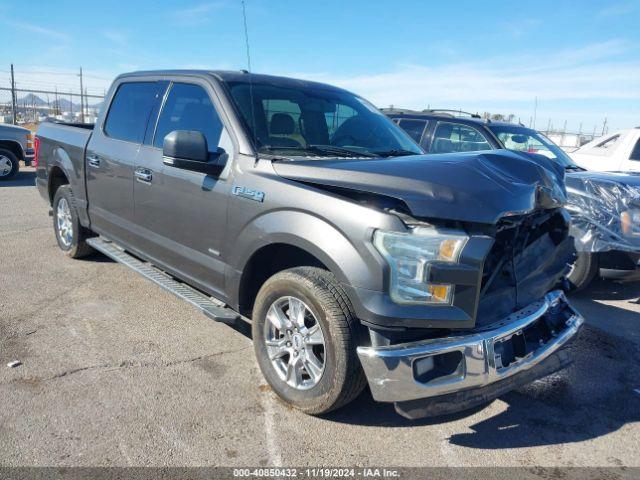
{"points": [[117, 372]]}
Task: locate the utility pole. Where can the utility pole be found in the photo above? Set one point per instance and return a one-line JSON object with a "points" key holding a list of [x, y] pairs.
{"points": [[81, 98], [14, 100], [535, 112], [604, 126]]}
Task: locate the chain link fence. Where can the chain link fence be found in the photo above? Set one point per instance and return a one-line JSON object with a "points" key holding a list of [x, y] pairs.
{"points": [[29, 98]]}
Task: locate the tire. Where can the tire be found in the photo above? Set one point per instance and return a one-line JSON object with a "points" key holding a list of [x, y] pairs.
{"points": [[341, 379], [71, 236], [9, 164], [583, 271]]}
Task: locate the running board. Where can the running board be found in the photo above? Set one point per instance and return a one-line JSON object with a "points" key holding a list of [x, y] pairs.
{"points": [[210, 306]]}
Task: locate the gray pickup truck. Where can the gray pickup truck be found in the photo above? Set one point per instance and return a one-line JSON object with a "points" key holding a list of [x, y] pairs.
{"points": [[302, 209], [16, 144]]}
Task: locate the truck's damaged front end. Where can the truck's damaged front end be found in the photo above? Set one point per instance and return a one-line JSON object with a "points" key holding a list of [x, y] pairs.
{"points": [[471, 306], [521, 321]]}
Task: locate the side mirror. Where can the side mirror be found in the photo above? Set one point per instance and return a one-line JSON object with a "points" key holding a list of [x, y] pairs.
{"points": [[187, 149]]}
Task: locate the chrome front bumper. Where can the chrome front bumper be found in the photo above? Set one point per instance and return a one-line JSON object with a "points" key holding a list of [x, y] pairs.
{"points": [[447, 365]]}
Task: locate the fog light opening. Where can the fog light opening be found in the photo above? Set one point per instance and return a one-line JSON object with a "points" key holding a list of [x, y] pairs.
{"points": [[438, 367]]}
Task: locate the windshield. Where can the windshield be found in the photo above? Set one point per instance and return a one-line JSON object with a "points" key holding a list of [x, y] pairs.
{"points": [[523, 139], [316, 121]]}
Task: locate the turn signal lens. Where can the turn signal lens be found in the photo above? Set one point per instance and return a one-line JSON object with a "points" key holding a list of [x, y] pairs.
{"points": [[625, 220], [449, 250], [630, 223], [440, 293]]}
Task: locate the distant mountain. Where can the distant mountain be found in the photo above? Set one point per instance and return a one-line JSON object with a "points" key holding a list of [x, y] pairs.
{"points": [[64, 104], [31, 99]]}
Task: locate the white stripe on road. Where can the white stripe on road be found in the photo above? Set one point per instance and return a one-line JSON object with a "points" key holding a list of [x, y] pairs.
{"points": [[272, 446]]}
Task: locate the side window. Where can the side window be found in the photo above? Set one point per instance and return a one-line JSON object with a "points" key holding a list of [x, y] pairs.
{"points": [[457, 137], [415, 128], [635, 153], [609, 142], [129, 111], [188, 107]]}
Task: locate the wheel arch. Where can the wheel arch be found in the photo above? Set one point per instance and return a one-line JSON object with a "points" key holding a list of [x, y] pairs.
{"points": [[287, 239], [266, 262], [57, 178], [14, 147]]}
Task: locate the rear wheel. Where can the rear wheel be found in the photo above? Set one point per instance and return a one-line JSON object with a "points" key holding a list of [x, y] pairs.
{"points": [[305, 340], [583, 270], [70, 234], [9, 164]]}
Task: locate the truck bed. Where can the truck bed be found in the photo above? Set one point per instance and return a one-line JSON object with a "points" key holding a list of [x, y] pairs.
{"points": [[63, 146]]}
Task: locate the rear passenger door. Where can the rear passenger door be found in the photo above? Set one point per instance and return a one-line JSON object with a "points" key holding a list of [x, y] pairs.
{"points": [[457, 137], [416, 129], [111, 155], [182, 214]]}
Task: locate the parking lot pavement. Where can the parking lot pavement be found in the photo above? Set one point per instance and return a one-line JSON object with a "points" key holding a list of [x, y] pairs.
{"points": [[115, 371]]}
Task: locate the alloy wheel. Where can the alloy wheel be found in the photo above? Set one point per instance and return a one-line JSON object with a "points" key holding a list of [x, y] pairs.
{"points": [[295, 343], [64, 222]]}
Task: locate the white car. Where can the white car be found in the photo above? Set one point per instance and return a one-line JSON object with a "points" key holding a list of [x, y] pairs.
{"points": [[614, 152]]}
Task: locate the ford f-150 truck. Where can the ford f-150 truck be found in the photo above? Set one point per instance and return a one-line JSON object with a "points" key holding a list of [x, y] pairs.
{"points": [[301, 208]]}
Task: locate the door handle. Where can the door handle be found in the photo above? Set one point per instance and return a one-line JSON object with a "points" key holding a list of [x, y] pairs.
{"points": [[93, 160], [144, 175]]}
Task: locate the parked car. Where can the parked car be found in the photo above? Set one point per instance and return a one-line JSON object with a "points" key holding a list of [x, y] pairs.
{"points": [[301, 207], [614, 152], [605, 207], [16, 144]]}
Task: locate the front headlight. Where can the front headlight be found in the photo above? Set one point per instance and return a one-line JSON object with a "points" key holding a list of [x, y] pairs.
{"points": [[409, 256], [630, 222]]}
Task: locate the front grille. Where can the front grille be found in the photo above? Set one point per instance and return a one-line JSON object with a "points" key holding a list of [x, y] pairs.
{"points": [[512, 274]]}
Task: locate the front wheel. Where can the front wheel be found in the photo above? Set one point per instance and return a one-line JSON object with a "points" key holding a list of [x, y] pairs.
{"points": [[70, 234], [304, 336]]}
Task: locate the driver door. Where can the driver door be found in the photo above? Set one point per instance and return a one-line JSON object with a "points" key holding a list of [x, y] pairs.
{"points": [[184, 213]]}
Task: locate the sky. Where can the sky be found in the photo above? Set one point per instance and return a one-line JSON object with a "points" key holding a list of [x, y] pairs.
{"points": [[581, 60]]}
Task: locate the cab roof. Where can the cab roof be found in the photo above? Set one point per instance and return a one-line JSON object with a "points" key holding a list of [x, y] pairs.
{"points": [[444, 114], [236, 76]]}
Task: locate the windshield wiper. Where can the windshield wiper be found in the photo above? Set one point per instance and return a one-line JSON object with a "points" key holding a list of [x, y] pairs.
{"points": [[574, 168], [342, 150], [326, 150], [397, 153]]}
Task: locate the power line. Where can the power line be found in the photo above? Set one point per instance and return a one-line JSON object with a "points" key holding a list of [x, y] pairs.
{"points": [[44, 92]]}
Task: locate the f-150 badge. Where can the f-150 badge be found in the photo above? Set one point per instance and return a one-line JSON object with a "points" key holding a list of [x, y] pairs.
{"points": [[249, 193]]}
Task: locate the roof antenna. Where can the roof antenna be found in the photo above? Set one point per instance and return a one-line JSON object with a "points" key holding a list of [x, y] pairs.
{"points": [[246, 35], [251, 99]]}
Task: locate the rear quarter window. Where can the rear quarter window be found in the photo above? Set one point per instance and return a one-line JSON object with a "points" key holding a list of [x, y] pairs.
{"points": [[129, 111]]}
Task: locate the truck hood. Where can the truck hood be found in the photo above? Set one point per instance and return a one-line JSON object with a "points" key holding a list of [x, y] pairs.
{"points": [[470, 187]]}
